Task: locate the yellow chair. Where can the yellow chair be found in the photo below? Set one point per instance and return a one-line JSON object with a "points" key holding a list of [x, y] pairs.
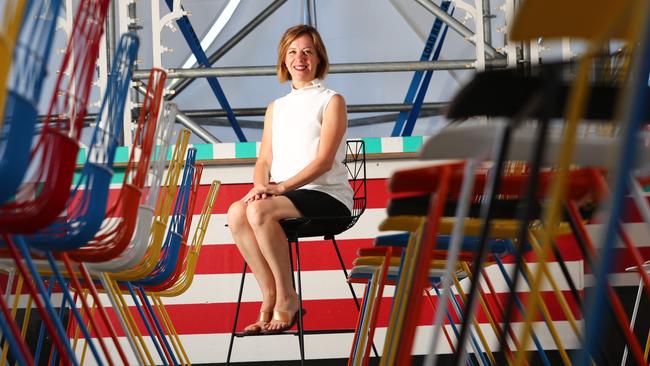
{"points": [[9, 29], [163, 209], [188, 267], [596, 21]]}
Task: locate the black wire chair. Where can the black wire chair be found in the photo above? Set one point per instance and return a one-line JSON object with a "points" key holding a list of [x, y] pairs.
{"points": [[328, 228]]}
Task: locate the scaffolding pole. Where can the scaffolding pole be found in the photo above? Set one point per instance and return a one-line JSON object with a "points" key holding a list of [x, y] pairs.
{"points": [[178, 85], [487, 22], [110, 33], [250, 112], [353, 122], [201, 132], [364, 67], [357, 108], [454, 24]]}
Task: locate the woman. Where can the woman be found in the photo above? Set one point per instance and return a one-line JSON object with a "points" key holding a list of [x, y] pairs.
{"points": [[298, 173]]}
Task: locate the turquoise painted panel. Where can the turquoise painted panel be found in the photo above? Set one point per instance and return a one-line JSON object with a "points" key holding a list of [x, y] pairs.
{"points": [[203, 151], [245, 150], [412, 143], [81, 156], [121, 154], [373, 145], [170, 153], [76, 177], [118, 177]]}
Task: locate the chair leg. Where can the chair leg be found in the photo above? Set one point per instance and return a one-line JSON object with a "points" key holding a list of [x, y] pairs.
{"points": [[293, 280], [354, 295], [301, 333], [345, 271], [234, 325]]}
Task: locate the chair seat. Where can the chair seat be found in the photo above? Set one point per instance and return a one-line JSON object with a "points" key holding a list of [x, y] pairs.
{"points": [[501, 93], [303, 227]]}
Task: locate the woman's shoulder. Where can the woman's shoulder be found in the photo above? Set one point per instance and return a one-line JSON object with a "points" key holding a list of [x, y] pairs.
{"points": [[333, 97]]}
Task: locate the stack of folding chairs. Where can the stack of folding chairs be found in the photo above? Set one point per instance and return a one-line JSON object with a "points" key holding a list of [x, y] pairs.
{"points": [[65, 232], [497, 237]]}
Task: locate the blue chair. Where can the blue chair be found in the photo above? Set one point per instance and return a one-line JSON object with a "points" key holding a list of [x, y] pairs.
{"points": [[36, 205], [171, 247], [30, 60], [167, 263], [86, 205]]}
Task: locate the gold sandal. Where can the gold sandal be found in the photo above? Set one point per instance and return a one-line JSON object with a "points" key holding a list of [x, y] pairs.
{"points": [[284, 317], [256, 328]]}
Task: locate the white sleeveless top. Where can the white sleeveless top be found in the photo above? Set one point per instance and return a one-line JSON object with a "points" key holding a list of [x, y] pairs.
{"points": [[296, 131]]}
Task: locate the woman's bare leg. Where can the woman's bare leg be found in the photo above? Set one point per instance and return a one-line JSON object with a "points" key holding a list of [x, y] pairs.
{"points": [[264, 216], [245, 240]]}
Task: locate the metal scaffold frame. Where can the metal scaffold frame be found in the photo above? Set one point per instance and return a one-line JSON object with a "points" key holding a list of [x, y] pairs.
{"points": [[487, 56]]}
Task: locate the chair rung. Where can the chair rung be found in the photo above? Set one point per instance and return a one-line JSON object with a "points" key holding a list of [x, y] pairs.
{"points": [[295, 332], [328, 331]]}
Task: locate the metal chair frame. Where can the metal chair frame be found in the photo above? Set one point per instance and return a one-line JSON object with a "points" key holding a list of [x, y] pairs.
{"points": [[328, 228]]}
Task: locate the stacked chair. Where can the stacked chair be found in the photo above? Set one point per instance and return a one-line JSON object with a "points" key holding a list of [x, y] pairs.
{"points": [[518, 219]]}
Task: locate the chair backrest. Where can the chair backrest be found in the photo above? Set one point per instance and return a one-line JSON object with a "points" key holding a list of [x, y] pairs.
{"points": [[184, 281], [28, 70], [86, 205], [142, 259], [355, 163], [9, 28], [171, 247], [45, 193], [145, 165]]}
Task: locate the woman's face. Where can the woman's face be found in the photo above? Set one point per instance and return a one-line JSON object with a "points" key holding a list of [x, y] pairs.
{"points": [[301, 60]]}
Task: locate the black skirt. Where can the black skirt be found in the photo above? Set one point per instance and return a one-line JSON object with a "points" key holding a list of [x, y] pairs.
{"points": [[312, 203]]}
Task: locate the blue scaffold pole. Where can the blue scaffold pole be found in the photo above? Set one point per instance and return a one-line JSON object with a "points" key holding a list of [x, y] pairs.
{"points": [[417, 76], [195, 45], [415, 111]]}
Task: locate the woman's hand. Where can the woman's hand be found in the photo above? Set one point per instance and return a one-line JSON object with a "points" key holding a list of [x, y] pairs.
{"points": [[258, 192], [275, 189], [261, 191]]}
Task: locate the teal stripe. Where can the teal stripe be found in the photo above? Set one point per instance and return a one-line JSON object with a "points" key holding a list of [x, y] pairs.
{"points": [[412, 143], [118, 176], [245, 150], [170, 153], [81, 156], [75, 178], [249, 150], [155, 153], [122, 154], [203, 151], [373, 145]]}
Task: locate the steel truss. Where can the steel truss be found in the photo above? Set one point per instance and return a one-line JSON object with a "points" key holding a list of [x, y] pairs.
{"points": [[487, 56]]}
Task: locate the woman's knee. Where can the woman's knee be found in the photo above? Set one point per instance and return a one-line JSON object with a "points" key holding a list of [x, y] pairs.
{"points": [[259, 212], [237, 215]]}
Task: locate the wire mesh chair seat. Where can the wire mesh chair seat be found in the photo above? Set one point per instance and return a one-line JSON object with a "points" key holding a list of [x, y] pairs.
{"points": [[162, 259], [86, 205], [142, 253], [132, 207], [44, 195], [169, 238], [181, 262], [182, 278], [169, 256], [19, 113], [9, 30]]}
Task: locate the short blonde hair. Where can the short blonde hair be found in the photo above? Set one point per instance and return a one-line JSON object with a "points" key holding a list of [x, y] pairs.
{"points": [[289, 36]]}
